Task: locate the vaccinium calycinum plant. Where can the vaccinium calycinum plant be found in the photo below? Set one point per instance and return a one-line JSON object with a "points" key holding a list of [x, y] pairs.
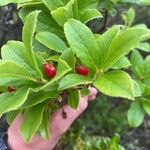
{"points": [[59, 53]]}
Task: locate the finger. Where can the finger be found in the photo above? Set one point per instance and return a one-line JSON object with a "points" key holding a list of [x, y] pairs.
{"points": [[93, 93]]}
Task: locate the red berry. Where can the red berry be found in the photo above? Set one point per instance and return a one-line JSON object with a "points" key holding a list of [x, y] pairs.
{"points": [[82, 70], [10, 89], [49, 70]]}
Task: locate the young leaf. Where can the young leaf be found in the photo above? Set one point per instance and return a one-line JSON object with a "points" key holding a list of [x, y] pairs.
{"points": [[27, 37], [115, 83], [72, 80], [12, 101], [62, 14], [73, 98], [135, 114], [62, 69], [32, 120], [53, 4], [121, 45], [51, 41], [89, 14], [82, 41]]}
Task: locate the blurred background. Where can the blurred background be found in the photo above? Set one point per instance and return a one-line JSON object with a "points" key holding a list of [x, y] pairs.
{"points": [[105, 116]]}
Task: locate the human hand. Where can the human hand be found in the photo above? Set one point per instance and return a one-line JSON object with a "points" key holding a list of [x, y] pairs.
{"points": [[58, 126]]}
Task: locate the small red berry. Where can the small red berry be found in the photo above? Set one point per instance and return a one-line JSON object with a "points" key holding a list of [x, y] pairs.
{"points": [[49, 70], [82, 70], [10, 89]]}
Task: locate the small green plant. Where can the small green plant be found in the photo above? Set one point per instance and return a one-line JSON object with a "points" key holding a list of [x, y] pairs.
{"points": [[59, 53]]}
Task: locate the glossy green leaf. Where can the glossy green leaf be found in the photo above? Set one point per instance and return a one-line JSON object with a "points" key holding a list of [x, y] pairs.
{"points": [[73, 98], [51, 41], [105, 40], [121, 45], [115, 83], [15, 51], [32, 120], [27, 37], [135, 114], [12, 101], [82, 41], [72, 80]]}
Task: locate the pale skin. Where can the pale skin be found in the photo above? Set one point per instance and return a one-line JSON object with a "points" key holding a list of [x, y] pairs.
{"points": [[58, 126]]}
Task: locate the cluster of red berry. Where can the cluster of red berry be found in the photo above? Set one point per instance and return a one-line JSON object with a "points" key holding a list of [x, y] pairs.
{"points": [[50, 72]]}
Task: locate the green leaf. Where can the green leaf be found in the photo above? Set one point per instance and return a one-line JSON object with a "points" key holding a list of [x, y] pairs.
{"points": [[123, 62], [115, 83], [51, 41], [10, 116], [27, 37], [82, 41], [105, 40], [10, 76], [137, 64], [89, 14], [146, 106], [121, 45], [68, 56], [5, 2], [73, 98], [135, 114], [32, 120], [62, 14], [131, 16], [53, 4], [147, 67], [15, 51], [44, 126], [35, 98], [137, 90], [12, 101], [144, 46], [72, 80], [62, 69], [84, 4]]}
